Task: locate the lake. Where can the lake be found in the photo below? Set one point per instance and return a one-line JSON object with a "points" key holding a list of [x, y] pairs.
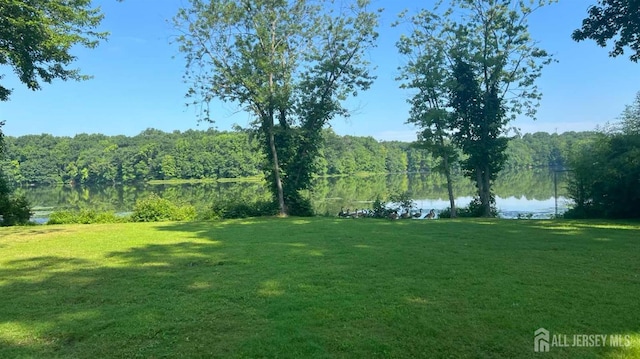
{"points": [[525, 193]]}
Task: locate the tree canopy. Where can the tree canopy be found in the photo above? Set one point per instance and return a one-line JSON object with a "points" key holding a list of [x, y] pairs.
{"points": [[36, 38], [613, 19]]}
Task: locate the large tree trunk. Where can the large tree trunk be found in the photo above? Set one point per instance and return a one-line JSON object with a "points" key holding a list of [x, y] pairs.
{"points": [[276, 173], [447, 173], [481, 190], [486, 195]]}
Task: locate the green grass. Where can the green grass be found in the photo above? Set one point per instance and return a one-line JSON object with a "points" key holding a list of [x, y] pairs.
{"points": [[317, 288]]}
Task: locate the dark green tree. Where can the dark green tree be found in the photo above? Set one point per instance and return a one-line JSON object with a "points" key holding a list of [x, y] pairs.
{"points": [[613, 19], [479, 118], [605, 176]]}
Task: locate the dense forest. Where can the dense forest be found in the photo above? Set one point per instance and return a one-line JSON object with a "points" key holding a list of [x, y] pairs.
{"points": [[201, 154]]}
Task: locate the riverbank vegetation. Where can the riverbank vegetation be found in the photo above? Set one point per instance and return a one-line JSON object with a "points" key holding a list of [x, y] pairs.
{"points": [[606, 171], [329, 194], [154, 155], [328, 288]]}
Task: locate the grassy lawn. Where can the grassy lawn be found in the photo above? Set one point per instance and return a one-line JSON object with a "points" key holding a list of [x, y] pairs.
{"points": [[318, 288]]}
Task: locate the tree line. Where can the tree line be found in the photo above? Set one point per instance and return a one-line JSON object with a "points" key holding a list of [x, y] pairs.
{"points": [[212, 154]]}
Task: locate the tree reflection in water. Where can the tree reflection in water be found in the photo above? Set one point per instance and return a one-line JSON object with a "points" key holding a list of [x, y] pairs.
{"points": [[521, 192]]}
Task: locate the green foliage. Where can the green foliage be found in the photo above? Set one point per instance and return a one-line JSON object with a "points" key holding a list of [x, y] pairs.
{"points": [[14, 209], [241, 209], [613, 20], [473, 210], [480, 119], [194, 155], [154, 209], [541, 149], [300, 206], [427, 74], [404, 202], [630, 119], [380, 208], [84, 216], [605, 181], [37, 36]]}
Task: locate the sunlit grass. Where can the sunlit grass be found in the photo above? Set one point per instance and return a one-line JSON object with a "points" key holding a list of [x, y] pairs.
{"points": [[317, 287]]}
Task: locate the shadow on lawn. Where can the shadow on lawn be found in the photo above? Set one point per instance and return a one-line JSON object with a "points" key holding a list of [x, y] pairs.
{"points": [[580, 229], [36, 231], [218, 297], [139, 302]]}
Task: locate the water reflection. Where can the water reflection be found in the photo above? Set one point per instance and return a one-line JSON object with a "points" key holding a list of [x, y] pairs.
{"points": [[520, 192]]}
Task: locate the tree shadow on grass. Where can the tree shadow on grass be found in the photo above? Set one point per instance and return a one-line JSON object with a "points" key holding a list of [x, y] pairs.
{"points": [[39, 230], [306, 288], [151, 301], [574, 269]]}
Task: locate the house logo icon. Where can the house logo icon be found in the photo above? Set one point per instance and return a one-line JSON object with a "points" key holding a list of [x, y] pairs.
{"points": [[541, 340]]}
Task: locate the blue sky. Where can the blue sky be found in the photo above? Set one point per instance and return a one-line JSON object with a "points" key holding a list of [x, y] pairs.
{"points": [[138, 84]]}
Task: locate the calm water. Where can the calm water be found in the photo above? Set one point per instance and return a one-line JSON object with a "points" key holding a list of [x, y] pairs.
{"points": [[525, 192]]}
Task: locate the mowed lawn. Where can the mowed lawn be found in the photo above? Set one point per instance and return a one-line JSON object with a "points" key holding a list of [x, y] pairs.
{"points": [[318, 288]]}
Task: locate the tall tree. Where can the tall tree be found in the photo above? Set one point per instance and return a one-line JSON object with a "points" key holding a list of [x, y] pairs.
{"points": [[613, 19], [491, 38], [288, 63], [426, 73], [479, 118]]}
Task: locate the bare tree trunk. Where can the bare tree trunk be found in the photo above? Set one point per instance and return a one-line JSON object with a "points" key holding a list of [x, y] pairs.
{"points": [[481, 190], [276, 173], [447, 173], [486, 196]]}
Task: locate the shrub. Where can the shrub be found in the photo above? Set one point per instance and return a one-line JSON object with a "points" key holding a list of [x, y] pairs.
{"points": [[380, 209], [404, 201], [14, 210], [84, 216], [299, 206], [241, 209], [474, 209], [154, 209]]}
